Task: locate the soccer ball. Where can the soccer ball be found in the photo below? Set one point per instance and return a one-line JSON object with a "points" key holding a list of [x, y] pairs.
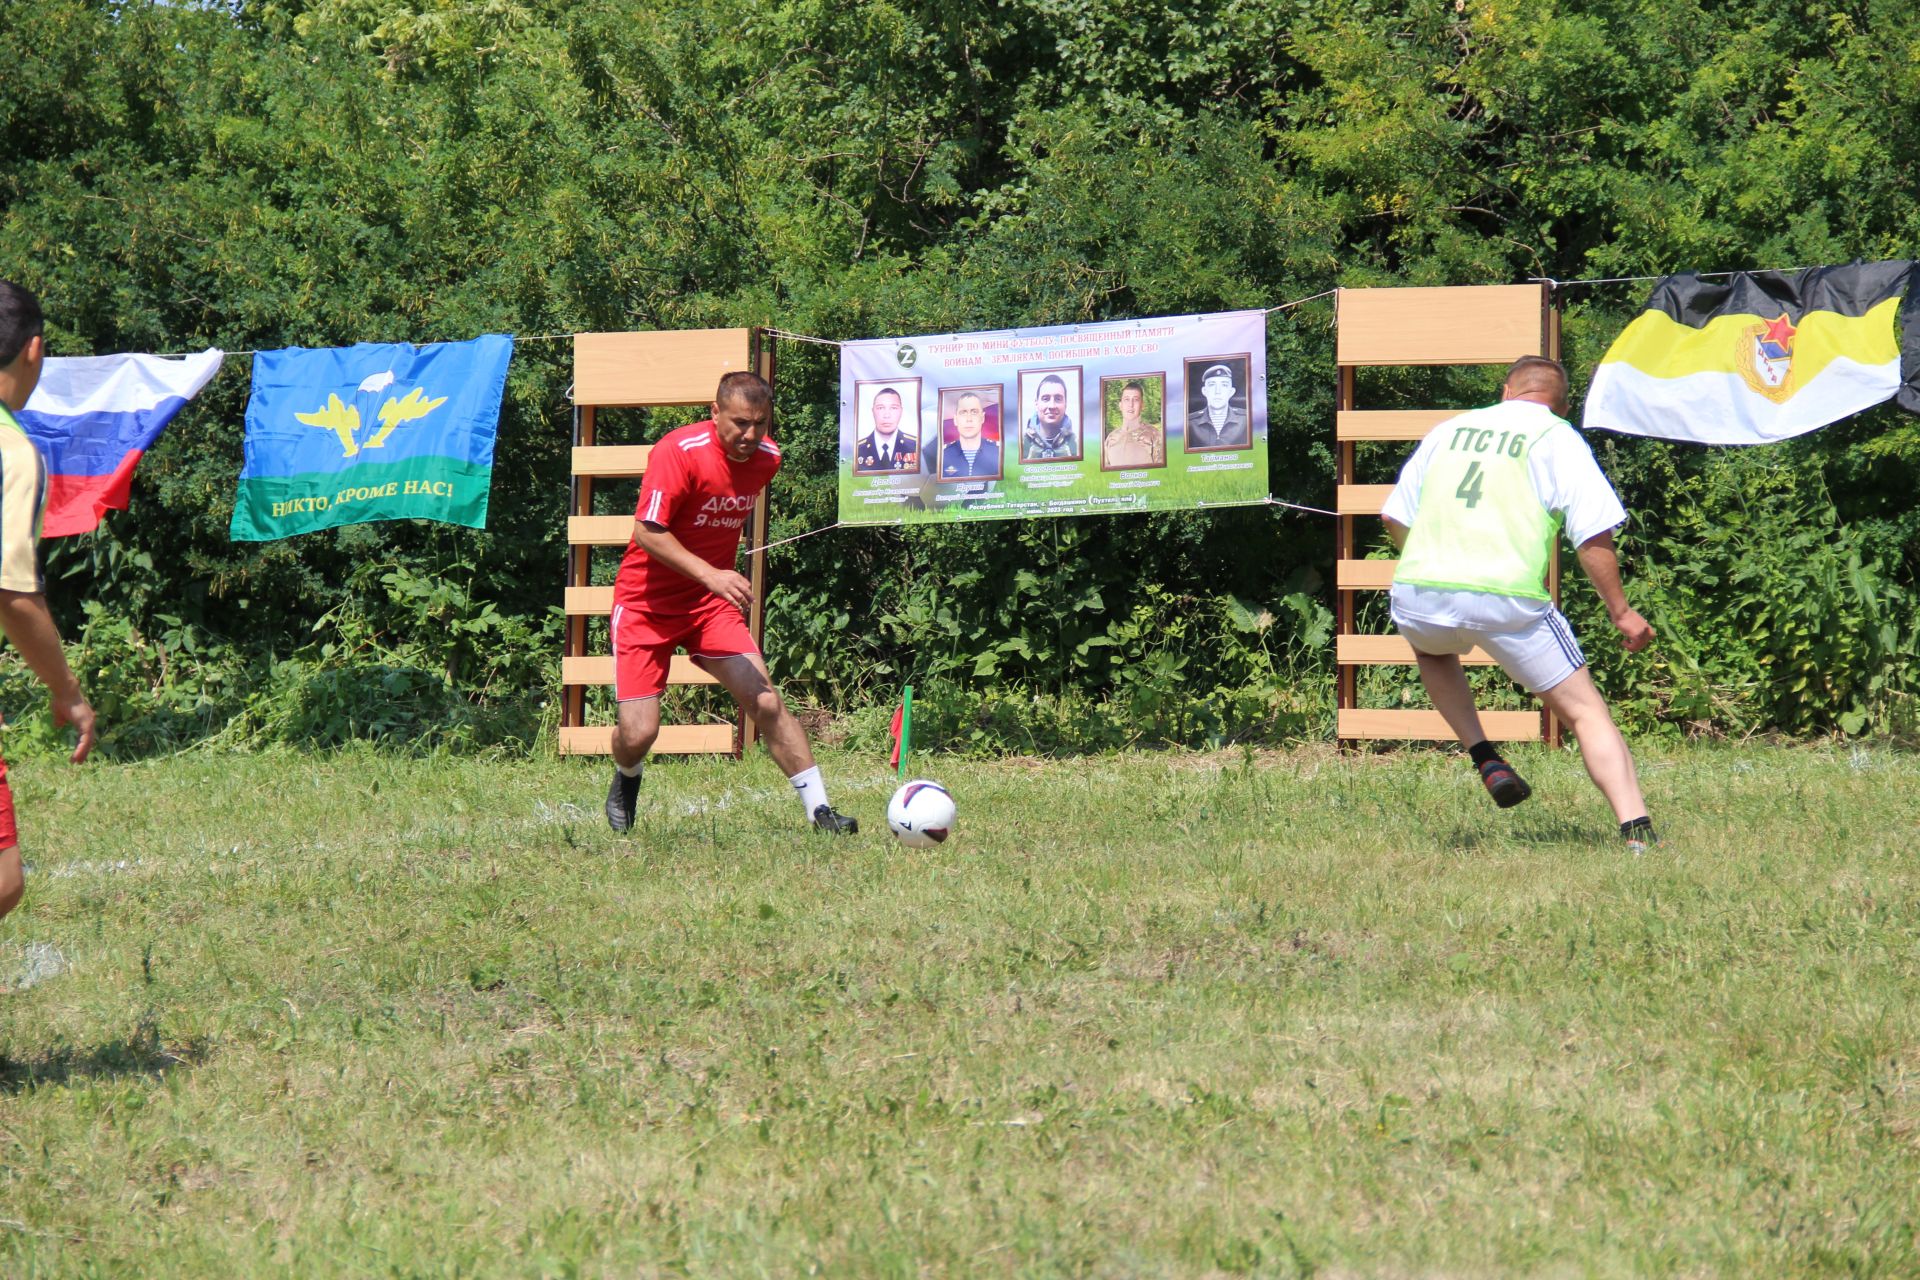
{"points": [[921, 814]]}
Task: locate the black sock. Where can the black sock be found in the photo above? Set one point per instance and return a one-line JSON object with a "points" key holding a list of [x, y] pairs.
{"points": [[1483, 751], [1640, 828]]}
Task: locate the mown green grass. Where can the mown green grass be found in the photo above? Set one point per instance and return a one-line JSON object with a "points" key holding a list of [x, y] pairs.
{"points": [[1147, 1015]]}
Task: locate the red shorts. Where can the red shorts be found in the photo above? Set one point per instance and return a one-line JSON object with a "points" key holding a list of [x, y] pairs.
{"points": [[643, 643], [9, 834]]}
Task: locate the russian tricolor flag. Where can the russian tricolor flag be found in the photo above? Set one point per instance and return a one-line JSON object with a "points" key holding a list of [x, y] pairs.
{"points": [[94, 416]]}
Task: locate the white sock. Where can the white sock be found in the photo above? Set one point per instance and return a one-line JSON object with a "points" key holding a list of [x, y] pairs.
{"points": [[813, 792], [625, 772]]}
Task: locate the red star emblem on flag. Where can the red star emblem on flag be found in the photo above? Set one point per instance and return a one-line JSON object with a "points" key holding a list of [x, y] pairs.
{"points": [[1780, 332]]}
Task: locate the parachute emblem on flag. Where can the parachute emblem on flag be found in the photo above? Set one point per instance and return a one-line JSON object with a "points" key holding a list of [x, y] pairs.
{"points": [[1768, 364], [344, 419]]}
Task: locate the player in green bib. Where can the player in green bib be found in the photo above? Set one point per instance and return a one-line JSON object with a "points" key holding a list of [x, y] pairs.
{"points": [[1476, 512]]}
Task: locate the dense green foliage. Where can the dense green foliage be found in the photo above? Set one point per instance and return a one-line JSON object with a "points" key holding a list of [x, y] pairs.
{"points": [[261, 175]]}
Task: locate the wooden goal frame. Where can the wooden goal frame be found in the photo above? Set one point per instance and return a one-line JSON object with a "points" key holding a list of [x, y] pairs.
{"points": [[630, 371], [1466, 325]]}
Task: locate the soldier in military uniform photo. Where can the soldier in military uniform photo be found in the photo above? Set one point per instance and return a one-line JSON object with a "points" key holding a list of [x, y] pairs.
{"points": [[889, 446], [1217, 407]]}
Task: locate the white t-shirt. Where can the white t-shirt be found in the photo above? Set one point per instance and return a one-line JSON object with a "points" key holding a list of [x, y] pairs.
{"points": [[1565, 478]]}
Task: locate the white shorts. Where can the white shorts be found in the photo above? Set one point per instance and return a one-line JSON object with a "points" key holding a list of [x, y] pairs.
{"points": [[1539, 655]]}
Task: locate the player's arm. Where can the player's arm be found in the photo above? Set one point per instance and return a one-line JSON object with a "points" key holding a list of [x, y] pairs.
{"points": [[1602, 565], [1570, 484], [1403, 502], [662, 546], [29, 624]]}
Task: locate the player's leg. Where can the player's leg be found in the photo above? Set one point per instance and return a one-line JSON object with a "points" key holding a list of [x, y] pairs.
{"points": [[1446, 682], [1580, 707], [642, 650], [13, 872], [13, 880], [1438, 650], [636, 724], [745, 677], [1546, 658], [635, 728]]}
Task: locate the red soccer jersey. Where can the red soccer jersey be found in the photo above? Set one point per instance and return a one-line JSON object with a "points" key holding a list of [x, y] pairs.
{"points": [[703, 498]]}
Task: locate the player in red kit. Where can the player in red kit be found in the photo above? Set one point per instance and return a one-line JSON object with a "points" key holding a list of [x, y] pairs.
{"points": [[678, 588]]}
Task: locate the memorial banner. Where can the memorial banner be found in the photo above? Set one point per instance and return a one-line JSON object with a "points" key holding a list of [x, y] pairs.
{"points": [[1091, 419]]}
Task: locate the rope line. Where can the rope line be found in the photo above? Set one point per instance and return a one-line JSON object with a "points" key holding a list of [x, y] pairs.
{"points": [[1301, 302], [1568, 284], [1294, 506], [802, 337], [791, 336], [254, 351], [826, 528]]}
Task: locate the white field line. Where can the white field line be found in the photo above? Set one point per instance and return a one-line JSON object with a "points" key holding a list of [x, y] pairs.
{"points": [[38, 962]]}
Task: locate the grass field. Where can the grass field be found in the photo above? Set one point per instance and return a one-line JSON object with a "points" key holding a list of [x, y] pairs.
{"points": [[1282, 1014]]}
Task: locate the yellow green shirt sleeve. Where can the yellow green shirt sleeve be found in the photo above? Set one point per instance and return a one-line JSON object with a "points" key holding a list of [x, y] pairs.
{"points": [[23, 501]]}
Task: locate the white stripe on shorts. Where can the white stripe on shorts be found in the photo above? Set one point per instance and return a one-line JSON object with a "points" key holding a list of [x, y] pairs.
{"points": [[1557, 622]]}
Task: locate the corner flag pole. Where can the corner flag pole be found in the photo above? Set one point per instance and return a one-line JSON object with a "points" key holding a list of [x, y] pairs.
{"points": [[906, 728]]}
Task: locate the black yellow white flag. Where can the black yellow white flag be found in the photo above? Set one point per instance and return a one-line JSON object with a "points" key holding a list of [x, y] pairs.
{"points": [[1762, 357]]}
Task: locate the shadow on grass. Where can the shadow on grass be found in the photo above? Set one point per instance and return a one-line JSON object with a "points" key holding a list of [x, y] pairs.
{"points": [[1536, 832], [138, 1054], [1564, 831], [402, 707]]}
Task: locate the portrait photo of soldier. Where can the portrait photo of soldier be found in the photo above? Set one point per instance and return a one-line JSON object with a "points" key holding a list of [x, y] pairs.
{"points": [[1050, 430], [969, 441], [1133, 432], [889, 427], [1219, 408]]}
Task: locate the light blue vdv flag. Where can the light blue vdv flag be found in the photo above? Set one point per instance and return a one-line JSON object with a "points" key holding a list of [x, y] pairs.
{"points": [[375, 431]]}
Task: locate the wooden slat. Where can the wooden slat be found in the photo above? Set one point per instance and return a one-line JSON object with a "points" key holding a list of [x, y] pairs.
{"points": [[599, 531], [1484, 324], [1349, 499], [1381, 651], [623, 370], [1348, 575], [610, 459], [1380, 424], [674, 740], [593, 602], [1428, 726], [597, 669]]}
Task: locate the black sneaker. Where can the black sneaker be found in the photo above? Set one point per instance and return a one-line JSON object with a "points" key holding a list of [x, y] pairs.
{"points": [[622, 797], [1505, 786], [825, 819]]}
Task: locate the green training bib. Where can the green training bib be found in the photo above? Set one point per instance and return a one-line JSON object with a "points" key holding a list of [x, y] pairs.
{"points": [[1480, 527]]}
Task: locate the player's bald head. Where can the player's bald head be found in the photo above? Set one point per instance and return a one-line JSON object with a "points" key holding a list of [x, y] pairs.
{"points": [[1538, 379], [744, 388]]}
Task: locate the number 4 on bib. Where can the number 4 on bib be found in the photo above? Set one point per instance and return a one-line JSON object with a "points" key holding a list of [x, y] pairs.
{"points": [[1469, 490]]}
